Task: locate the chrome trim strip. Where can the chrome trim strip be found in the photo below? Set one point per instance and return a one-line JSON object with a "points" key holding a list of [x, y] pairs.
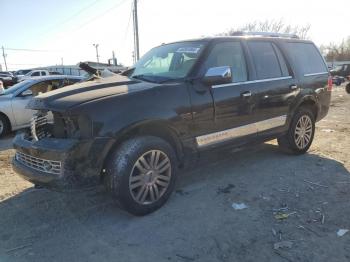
{"points": [[253, 81], [221, 136], [316, 74], [271, 123]]}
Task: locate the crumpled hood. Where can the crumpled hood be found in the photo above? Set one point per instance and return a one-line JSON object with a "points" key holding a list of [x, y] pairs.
{"points": [[67, 97]]}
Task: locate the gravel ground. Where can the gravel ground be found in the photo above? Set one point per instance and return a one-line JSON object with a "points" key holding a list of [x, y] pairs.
{"points": [[295, 206]]}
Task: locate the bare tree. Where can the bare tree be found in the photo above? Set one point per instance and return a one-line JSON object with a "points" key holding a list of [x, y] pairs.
{"points": [[337, 52], [276, 26]]}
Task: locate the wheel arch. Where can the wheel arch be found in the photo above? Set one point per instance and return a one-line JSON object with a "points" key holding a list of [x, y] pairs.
{"points": [[310, 102], [157, 128]]}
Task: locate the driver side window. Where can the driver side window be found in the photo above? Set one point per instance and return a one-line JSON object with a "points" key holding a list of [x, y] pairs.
{"points": [[229, 54]]}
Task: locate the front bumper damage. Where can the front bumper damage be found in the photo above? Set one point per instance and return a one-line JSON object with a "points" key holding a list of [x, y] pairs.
{"points": [[60, 163]]}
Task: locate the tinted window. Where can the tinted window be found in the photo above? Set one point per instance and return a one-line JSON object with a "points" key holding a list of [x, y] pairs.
{"points": [[265, 60], [36, 74], [307, 58], [229, 54]]}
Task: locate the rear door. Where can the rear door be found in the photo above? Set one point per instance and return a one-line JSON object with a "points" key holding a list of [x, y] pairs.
{"points": [[274, 88]]}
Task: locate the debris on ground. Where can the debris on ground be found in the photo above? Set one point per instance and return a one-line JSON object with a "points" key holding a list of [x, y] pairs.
{"points": [[315, 184], [282, 216], [342, 232], [308, 229], [274, 232], [239, 206], [225, 190], [181, 192], [327, 130], [282, 245]]}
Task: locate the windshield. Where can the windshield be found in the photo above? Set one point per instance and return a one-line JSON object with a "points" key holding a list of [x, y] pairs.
{"points": [[15, 87], [172, 61]]}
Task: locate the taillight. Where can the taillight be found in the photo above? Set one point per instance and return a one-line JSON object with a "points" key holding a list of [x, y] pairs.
{"points": [[330, 83]]}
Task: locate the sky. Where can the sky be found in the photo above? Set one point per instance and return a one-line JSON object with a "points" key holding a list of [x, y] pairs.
{"points": [[47, 31]]}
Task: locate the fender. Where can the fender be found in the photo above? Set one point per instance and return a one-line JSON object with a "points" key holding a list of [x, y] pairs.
{"points": [[309, 98]]}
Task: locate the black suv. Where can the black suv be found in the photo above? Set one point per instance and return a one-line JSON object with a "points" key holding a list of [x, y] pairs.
{"points": [[341, 70], [133, 132]]}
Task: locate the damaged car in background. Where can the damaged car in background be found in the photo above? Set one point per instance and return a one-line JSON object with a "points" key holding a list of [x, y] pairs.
{"points": [[134, 132], [13, 101]]}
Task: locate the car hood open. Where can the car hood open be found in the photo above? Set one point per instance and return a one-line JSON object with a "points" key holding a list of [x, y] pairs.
{"points": [[70, 96]]}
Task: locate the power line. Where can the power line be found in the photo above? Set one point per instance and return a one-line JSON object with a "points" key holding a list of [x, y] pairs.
{"points": [[100, 15], [31, 50], [127, 27], [26, 64], [70, 17]]}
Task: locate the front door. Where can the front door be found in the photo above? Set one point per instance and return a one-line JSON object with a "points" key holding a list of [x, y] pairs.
{"points": [[227, 112]]}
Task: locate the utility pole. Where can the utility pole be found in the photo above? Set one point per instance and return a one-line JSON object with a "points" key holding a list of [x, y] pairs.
{"points": [[114, 59], [61, 60], [4, 55], [136, 34], [97, 57]]}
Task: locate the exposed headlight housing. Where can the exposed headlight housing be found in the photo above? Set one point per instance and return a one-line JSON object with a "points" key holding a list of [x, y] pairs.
{"points": [[67, 126]]}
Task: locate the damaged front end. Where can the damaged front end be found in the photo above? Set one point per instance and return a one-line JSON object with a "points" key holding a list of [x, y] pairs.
{"points": [[59, 151]]}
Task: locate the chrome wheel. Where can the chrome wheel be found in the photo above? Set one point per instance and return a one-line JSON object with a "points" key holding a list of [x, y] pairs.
{"points": [[150, 177], [303, 132]]}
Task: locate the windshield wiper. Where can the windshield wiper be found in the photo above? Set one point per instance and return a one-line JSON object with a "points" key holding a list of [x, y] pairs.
{"points": [[154, 78], [144, 78]]}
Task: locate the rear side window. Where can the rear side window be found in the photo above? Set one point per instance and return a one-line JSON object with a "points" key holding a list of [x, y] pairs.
{"points": [[229, 54], [265, 60], [307, 58]]}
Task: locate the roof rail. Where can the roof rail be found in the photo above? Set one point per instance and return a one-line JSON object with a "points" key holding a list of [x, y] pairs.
{"points": [[268, 34]]}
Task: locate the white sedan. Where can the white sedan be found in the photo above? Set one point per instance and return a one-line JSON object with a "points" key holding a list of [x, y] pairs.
{"points": [[13, 101]]}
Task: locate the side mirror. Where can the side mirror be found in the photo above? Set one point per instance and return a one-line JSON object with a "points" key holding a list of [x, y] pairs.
{"points": [[27, 92], [218, 75]]}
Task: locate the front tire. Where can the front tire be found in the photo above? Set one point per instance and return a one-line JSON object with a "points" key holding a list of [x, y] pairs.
{"points": [[300, 134], [141, 174], [4, 126]]}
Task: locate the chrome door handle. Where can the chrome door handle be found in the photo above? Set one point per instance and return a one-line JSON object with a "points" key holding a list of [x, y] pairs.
{"points": [[246, 94], [293, 87]]}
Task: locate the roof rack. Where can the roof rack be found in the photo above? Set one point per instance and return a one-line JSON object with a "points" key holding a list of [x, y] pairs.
{"points": [[268, 34]]}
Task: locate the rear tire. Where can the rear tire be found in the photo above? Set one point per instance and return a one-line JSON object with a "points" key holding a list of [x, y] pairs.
{"points": [[300, 134], [4, 126], [141, 174], [347, 88]]}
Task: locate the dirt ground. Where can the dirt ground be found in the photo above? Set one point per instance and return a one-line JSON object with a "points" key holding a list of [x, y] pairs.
{"points": [[297, 203]]}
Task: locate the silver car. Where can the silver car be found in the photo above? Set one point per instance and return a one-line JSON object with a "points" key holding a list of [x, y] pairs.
{"points": [[13, 101]]}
